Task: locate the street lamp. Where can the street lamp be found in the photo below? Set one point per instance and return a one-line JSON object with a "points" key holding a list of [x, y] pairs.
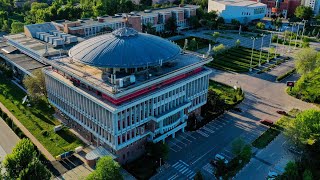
{"points": [[269, 46], [304, 25], [295, 44], [262, 35], [289, 48], [284, 40], [253, 39], [275, 51]]}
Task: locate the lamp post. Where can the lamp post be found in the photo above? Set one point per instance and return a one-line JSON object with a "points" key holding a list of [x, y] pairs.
{"points": [[262, 35], [289, 48], [284, 40], [275, 52], [271, 35], [295, 44], [253, 39], [304, 25]]}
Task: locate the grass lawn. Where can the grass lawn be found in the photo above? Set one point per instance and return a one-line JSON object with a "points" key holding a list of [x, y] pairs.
{"points": [[38, 120], [269, 135], [225, 92], [238, 59], [201, 43]]}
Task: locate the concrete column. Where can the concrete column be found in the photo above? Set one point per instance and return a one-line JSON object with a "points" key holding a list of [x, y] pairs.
{"points": [[173, 135], [161, 126], [181, 116], [182, 130]]}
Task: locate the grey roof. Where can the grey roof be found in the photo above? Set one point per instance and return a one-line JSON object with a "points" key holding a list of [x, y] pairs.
{"points": [[124, 48], [44, 27]]}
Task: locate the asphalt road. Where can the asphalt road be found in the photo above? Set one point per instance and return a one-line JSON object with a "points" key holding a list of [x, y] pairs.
{"points": [[8, 139], [192, 151]]}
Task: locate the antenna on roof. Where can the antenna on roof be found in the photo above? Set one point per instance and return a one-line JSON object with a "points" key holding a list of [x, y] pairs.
{"points": [[126, 21]]}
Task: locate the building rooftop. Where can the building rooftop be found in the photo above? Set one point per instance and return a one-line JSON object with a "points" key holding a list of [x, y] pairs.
{"points": [[98, 78], [247, 3], [124, 48], [19, 59]]}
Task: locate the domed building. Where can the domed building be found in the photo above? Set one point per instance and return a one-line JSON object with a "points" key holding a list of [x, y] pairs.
{"points": [[122, 89]]}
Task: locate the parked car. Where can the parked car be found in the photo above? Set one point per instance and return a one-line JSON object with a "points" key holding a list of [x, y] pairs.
{"points": [[282, 112], [266, 122], [219, 157], [295, 150], [272, 175]]}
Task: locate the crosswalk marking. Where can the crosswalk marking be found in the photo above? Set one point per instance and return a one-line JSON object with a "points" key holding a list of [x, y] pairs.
{"points": [[184, 169], [202, 133], [208, 167], [173, 177], [209, 130]]}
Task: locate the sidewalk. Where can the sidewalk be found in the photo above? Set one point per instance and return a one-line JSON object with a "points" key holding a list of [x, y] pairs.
{"points": [[8, 139]]}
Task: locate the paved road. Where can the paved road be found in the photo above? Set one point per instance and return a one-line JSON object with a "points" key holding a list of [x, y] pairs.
{"points": [[192, 151], [273, 158], [8, 139]]}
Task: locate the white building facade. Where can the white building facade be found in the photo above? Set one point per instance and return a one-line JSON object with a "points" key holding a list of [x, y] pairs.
{"points": [[314, 4], [242, 10], [122, 118]]}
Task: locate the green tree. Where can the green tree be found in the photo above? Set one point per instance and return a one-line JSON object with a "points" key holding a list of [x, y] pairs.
{"points": [[291, 171], [307, 175], [106, 169], [237, 146], [215, 36], [16, 27], [193, 44], [194, 22], [305, 128], [198, 176], [218, 49], [306, 60], [235, 22], [221, 168], [170, 25], [260, 25], [22, 163], [238, 43], [303, 12], [35, 85], [157, 150], [98, 10], [246, 153]]}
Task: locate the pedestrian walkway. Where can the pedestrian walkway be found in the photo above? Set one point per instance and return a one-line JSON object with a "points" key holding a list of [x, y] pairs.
{"points": [[8, 139]]}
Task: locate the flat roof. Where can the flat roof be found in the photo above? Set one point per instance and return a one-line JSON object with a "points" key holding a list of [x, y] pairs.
{"points": [[247, 3], [20, 59]]}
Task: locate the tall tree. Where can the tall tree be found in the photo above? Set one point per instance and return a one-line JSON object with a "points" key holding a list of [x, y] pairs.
{"points": [[305, 128], [22, 163], [198, 176], [303, 12], [35, 84], [306, 60], [17, 27], [170, 25], [237, 146], [291, 171], [106, 169]]}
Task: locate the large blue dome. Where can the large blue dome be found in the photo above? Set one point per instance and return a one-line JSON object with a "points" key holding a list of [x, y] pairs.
{"points": [[124, 48]]}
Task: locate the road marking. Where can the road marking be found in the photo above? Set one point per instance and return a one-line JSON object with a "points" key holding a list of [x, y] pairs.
{"points": [[208, 167], [175, 144], [259, 167], [209, 130], [181, 141], [184, 163], [175, 164], [212, 126], [185, 138], [173, 149], [223, 154], [187, 169], [192, 175], [202, 156], [202, 133], [173, 177], [190, 135], [183, 168]]}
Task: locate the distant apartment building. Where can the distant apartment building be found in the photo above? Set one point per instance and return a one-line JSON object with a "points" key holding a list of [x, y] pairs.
{"points": [[242, 10], [314, 4], [284, 7], [156, 17]]}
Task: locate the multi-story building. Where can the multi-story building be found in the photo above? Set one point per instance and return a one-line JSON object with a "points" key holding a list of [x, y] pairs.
{"points": [[314, 4], [156, 17], [284, 7], [242, 10], [122, 89]]}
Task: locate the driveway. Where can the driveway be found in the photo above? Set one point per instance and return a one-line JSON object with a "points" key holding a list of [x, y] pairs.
{"points": [[192, 151]]}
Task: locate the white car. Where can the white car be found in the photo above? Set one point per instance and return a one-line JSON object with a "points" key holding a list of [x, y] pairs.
{"points": [[219, 157], [272, 175]]}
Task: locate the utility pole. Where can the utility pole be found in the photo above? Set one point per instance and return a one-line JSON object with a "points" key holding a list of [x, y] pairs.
{"points": [[289, 48], [262, 35], [269, 47], [253, 39], [275, 52], [295, 44], [304, 27], [284, 40]]}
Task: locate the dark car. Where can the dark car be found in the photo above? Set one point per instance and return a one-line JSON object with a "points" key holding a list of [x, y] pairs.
{"points": [[282, 112], [266, 122]]}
